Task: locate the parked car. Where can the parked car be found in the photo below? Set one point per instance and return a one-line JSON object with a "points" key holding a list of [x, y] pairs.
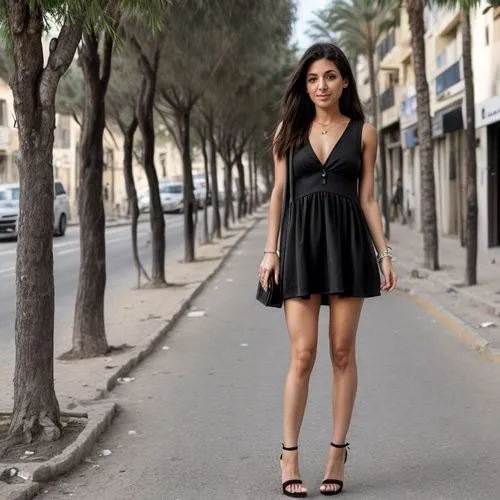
{"points": [[9, 209], [200, 190], [171, 194], [143, 203]]}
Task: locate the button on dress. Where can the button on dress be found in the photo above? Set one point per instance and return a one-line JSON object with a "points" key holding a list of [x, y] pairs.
{"points": [[325, 245]]}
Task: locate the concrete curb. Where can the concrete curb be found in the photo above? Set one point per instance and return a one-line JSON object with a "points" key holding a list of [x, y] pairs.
{"points": [[154, 339], [448, 282], [463, 331], [100, 416], [487, 306]]}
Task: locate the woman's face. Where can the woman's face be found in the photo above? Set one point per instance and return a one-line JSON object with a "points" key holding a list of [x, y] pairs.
{"points": [[324, 83]]}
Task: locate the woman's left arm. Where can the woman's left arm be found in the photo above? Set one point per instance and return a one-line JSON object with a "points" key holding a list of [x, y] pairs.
{"points": [[370, 205]]}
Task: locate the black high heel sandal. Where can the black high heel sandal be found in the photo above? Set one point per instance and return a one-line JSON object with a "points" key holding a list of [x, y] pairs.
{"points": [[296, 494], [337, 482]]}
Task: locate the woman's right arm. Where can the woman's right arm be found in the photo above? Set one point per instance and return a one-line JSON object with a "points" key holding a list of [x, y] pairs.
{"points": [[275, 205], [270, 261]]}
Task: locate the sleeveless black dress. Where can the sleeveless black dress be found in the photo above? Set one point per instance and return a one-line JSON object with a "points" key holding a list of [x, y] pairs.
{"points": [[325, 244]]}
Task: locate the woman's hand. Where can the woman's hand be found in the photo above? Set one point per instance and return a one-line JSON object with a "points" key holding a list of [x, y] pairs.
{"points": [[390, 278], [270, 265]]}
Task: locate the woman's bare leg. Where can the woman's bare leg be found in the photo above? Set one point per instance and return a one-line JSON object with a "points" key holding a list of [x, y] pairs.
{"points": [[344, 319], [302, 322]]}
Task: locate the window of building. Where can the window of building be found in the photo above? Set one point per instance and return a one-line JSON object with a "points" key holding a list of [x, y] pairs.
{"points": [[60, 189], [62, 136], [3, 113], [448, 78], [386, 45]]}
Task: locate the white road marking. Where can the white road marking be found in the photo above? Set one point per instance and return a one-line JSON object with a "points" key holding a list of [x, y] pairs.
{"points": [[70, 250]]}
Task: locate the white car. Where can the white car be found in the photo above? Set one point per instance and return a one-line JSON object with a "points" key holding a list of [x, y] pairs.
{"points": [[172, 196], [200, 191], [9, 209], [143, 203]]}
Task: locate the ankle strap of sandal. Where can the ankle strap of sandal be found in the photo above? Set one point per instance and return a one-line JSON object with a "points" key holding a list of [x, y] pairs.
{"points": [[292, 448], [345, 445]]}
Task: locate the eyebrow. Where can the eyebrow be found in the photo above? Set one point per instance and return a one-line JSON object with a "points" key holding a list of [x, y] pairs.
{"points": [[326, 72]]}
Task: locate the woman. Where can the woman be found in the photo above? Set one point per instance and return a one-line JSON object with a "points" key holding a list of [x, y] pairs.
{"points": [[328, 231]]}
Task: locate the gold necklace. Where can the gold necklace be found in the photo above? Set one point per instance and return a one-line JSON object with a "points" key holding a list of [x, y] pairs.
{"points": [[325, 130]]}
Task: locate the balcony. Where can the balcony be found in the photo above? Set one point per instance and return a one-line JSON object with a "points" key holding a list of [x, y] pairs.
{"points": [[389, 102], [447, 56], [386, 45], [387, 99], [447, 21], [5, 138], [450, 81]]}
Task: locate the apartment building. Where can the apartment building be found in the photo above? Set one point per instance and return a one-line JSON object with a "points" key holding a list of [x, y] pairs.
{"points": [[399, 125], [9, 142], [486, 47]]}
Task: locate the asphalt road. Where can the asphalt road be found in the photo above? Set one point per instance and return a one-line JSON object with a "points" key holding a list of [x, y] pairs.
{"points": [[207, 412], [120, 271]]}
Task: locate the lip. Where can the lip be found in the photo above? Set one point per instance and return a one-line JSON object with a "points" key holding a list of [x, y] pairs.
{"points": [[323, 96]]}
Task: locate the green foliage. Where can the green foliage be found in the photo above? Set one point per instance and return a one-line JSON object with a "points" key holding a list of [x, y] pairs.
{"points": [[467, 4], [97, 15], [69, 97], [123, 90], [355, 25]]}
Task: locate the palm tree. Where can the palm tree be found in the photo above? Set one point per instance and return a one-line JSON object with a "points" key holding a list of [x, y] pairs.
{"points": [[358, 26], [415, 10]]}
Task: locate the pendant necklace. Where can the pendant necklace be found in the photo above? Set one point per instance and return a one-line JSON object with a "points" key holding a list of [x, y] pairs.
{"points": [[325, 127]]}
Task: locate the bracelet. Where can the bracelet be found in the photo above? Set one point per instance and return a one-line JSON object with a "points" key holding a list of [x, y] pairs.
{"points": [[275, 253], [386, 253]]}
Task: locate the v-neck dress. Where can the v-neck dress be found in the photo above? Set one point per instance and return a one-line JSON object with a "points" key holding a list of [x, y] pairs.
{"points": [[326, 247]]}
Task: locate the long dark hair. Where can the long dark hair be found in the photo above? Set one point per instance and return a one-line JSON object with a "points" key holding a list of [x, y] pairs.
{"points": [[297, 110]]}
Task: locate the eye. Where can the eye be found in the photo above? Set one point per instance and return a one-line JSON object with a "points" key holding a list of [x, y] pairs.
{"points": [[332, 76], [312, 79]]}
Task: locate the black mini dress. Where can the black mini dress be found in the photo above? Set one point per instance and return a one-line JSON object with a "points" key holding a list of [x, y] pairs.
{"points": [[325, 243]]}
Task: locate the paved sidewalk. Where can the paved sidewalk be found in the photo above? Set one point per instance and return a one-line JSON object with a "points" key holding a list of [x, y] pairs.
{"points": [[477, 306]]}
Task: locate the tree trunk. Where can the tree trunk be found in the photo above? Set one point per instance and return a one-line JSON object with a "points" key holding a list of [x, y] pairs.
{"points": [[189, 199], [206, 234], [36, 412], [381, 139], [228, 197], [255, 179], [216, 219], [128, 154], [230, 186], [373, 84], [471, 221], [89, 332], [251, 203], [428, 190], [268, 178], [145, 117], [242, 201], [383, 179]]}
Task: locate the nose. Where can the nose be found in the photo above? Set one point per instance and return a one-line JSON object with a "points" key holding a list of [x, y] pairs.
{"points": [[322, 83]]}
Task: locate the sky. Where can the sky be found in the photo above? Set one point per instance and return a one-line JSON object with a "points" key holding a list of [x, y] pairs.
{"points": [[304, 14]]}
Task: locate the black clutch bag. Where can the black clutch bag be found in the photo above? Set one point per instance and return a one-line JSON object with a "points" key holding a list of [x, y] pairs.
{"points": [[272, 297]]}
